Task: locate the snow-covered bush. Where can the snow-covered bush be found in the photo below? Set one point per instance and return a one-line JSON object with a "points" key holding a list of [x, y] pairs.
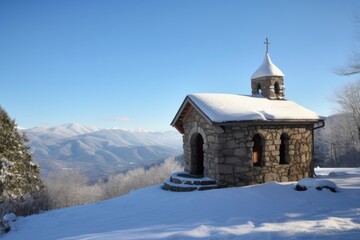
{"points": [[5, 222], [311, 183], [70, 188], [121, 184], [26, 205], [4, 227], [22, 206]]}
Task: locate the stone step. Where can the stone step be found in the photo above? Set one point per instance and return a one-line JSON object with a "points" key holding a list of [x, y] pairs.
{"points": [[170, 186], [192, 182], [191, 179], [185, 182]]}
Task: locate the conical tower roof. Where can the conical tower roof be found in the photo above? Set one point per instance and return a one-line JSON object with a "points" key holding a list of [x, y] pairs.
{"points": [[267, 69]]}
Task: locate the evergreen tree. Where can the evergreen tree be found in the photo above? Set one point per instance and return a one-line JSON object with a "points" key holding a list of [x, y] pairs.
{"points": [[19, 176]]}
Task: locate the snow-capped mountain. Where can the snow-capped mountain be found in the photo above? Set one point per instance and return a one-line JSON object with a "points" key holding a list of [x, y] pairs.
{"points": [[99, 152]]}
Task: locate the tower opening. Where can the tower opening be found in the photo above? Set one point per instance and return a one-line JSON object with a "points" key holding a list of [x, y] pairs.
{"points": [[277, 88]]}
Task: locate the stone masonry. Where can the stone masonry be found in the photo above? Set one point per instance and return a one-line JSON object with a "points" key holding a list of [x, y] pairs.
{"points": [[270, 87], [228, 151]]}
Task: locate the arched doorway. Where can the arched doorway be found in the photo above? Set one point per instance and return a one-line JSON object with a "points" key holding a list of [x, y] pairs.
{"points": [[197, 154]]}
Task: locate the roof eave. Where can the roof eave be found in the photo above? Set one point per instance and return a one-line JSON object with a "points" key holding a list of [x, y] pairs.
{"points": [[177, 115], [269, 122], [187, 100], [264, 76]]}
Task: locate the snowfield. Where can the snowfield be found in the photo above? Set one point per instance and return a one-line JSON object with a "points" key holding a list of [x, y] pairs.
{"points": [[267, 211]]}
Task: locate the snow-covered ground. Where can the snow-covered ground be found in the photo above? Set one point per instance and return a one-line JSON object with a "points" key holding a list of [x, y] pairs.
{"points": [[267, 211]]}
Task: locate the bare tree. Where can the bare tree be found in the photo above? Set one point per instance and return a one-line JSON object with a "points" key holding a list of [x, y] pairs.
{"points": [[349, 100], [338, 144], [353, 65], [123, 183], [67, 189], [349, 97], [70, 188]]}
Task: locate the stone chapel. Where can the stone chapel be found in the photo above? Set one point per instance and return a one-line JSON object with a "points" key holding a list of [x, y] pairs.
{"points": [[237, 140]]}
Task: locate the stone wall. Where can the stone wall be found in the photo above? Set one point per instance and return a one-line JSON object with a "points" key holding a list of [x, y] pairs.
{"points": [[228, 151], [197, 124], [267, 87]]}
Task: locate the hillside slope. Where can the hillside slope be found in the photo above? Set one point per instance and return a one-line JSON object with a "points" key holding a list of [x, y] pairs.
{"points": [[267, 211], [97, 152]]}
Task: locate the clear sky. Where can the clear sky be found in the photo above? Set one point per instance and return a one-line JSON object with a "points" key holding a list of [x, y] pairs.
{"points": [[130, 64]]}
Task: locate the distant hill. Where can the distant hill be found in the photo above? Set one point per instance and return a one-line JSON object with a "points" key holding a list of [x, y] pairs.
{"points": [[96, 152]]}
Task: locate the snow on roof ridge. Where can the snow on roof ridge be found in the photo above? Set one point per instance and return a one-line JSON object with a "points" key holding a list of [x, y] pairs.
{"points": [[267, 69], [235, 107]]}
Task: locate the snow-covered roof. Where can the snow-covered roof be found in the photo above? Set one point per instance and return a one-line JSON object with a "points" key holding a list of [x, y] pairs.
{"points": [[233, 107], [222, 108], [267, 69]]}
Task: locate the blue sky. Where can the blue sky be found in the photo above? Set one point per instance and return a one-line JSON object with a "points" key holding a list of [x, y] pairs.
{"points": [[130, 64]]}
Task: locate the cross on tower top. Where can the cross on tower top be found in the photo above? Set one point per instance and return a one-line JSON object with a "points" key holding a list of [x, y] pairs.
{"points": [[267, 45]]}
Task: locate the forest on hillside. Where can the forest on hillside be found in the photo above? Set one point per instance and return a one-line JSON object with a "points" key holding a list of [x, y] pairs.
{"points": [[337, 144]]}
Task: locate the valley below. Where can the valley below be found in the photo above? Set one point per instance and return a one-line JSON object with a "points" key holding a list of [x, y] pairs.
{"points": [[97, 153]]}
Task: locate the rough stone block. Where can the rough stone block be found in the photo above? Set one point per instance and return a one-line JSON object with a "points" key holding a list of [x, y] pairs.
{"points": [[284, 179], [271, 147], [302, 130], [231, 144], [211, 139], [303, 158], [228, 152], [304, 148], [225, 169], [240, 152], [250, 144], [269, 177], [232, 160], [239, 135], [247, 163], [241, 169], [230, 179]]}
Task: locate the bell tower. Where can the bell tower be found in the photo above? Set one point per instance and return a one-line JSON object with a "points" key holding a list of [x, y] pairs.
{"points": [[268, 80]]}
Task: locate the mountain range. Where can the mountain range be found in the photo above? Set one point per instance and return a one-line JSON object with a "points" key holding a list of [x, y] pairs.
{"points": [[97, 153]]}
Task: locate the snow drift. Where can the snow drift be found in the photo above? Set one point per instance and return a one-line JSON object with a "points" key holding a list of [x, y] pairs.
{"points": [[267, 211]]}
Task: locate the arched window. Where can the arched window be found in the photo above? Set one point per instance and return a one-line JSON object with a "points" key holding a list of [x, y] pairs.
{"points": [[284, 149], [257, 150], [277, 88]]}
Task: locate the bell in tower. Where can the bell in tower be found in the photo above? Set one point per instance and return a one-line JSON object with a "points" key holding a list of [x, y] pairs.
{"points": [[268, 80]]}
